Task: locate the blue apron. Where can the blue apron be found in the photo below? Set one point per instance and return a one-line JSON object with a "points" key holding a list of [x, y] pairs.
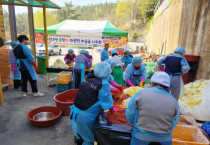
{"points": [[140, 134], [30, 68], [82, 65]]}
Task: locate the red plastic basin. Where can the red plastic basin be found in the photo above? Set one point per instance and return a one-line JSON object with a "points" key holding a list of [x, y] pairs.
{"points": [[55, 110], [190, 57], [65, 99]]}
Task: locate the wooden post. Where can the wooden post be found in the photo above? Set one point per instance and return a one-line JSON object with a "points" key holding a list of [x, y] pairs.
{"points": [[1, 93]]}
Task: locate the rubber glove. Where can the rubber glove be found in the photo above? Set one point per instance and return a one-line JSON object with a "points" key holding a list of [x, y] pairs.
{"points": [[130, 83], [115, 90], [113, 109], [35, 67], [66, 60], [114, 84], [13, 67], [102, 60]]}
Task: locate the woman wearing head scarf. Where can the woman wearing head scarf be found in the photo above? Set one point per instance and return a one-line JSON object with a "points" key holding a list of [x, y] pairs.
{"points": [[127, 58], [153, 112], [175, 65], [15, 66], [135, 72], [79, 69], [92, 98], [70, 57]]}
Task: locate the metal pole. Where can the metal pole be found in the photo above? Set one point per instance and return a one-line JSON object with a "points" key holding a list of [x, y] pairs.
{"points": [[45, 33], [31, 30], [12, 22]]}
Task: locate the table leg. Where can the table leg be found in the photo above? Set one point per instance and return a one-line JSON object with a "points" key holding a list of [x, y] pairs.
{"points": [[48, 79], [1, 94]]}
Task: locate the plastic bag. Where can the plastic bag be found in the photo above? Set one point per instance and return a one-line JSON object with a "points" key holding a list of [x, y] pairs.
{"points": [[59, 64], [107, 133], [206, 128]]}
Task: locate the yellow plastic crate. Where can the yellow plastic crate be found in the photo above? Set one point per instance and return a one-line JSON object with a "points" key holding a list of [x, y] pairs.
{"points": [[64, 77], [189, 135]]}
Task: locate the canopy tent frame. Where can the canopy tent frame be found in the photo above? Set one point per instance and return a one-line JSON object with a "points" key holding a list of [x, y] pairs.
{"points": [[31, 3]]}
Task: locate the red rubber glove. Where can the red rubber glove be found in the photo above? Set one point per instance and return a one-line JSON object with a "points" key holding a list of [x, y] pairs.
{"points": [[102, 60], [13, 67], [35, 67], [130, 83]]}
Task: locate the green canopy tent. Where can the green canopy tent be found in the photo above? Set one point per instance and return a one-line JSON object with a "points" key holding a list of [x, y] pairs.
{"points": [[77, 27]]}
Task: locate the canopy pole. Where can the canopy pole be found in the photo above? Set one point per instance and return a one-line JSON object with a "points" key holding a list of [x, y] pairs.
{"points": [[45, 36]]}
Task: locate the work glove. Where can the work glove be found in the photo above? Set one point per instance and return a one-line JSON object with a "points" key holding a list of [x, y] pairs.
{"points": [[35, 67], [130, 83], [102, 60], [114, 84], [13, 67]]}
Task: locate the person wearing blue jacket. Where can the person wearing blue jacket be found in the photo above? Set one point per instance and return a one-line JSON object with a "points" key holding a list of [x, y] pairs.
{"points": [[153, 112], [175, 66], [135, 72], [15, 65], [92, 98], [105, 53], [127, 58], [28, 66]]}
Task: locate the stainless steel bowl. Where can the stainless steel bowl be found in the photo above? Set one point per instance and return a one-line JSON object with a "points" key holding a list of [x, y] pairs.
{"points": [[42, 116]]}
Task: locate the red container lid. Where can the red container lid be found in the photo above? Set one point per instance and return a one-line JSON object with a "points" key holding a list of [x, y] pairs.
{"points": [[190, 57]]}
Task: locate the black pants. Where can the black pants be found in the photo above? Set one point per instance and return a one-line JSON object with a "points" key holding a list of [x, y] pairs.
{"points": [[77, 76], [25, 76], [17, 83]]}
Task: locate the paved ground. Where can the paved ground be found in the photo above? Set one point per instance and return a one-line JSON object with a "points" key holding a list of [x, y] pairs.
{"points": [[15, 129]]}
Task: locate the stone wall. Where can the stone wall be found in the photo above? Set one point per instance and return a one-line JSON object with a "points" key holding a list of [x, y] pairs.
{"points": [[195, 33], [185, 23]]}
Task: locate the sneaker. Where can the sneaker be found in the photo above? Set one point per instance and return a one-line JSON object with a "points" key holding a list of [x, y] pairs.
{"points": [[26, 94], [38, 94]]}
